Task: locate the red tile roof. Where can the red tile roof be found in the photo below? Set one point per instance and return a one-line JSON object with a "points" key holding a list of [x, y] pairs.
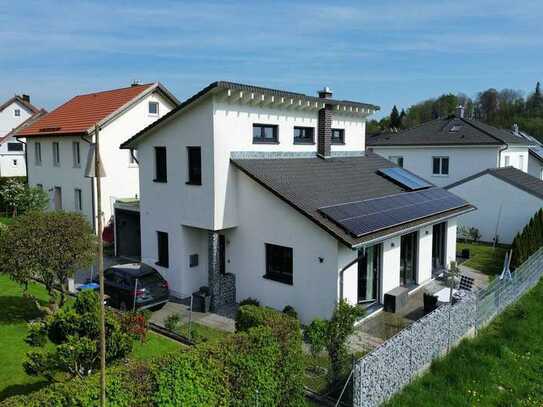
{"points": [[80, 113]]}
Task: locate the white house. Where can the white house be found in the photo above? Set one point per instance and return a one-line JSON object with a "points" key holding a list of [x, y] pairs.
{"points": [[515, 198], [535, 153], [58, 145], [449, 149], [14, 113], [265, 193]]}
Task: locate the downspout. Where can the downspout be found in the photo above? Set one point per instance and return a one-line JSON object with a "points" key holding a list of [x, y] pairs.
{"points": [[342, 271], [92, 191], [134, 156], [500, 154], [26, 157]]}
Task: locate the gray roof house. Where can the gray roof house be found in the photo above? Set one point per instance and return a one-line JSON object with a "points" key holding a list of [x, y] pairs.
{"points": [[448, 149]]}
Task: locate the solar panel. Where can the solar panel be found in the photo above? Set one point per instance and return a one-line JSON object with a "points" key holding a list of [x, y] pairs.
{"points": [[404, 178], [371, 215]]}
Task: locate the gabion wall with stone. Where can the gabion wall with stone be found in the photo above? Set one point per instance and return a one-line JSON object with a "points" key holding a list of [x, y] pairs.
{"points": [[387, 369]]}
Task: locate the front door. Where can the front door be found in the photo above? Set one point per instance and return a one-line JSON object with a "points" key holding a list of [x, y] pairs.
{"points": [[438, 246], [369, 273], [408, 259]]}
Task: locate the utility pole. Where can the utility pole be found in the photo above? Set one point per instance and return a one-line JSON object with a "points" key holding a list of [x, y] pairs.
{"points": [[100, 264]]}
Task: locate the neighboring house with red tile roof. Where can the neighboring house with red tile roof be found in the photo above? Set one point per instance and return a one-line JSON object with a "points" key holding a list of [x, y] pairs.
{"points": [[15, 113], [58, 145]]}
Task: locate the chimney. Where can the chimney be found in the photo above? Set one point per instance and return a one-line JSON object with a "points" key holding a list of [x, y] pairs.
{"points": [[26, 98], [324, 137], [515, 128], [460, 111], [326, 93]]}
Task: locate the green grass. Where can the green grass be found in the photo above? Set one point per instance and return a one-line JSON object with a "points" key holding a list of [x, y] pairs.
{"points": [[15, 312], [484, 257], [5, 220], [201, 333], [503, 366]]}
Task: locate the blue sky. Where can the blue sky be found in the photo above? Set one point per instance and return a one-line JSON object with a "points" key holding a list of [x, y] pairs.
{"points": [[381, 52]]}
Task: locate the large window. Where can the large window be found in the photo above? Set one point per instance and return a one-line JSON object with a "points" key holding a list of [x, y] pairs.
{"points": [[162, 249], [76, 154], [56, 154], [78, 199], [304, 135], [338, 136], [194, 155], [37, 153], [440, 166], [279, 263], [265, 133], [161, 172], [15, 146], [396, 159]]}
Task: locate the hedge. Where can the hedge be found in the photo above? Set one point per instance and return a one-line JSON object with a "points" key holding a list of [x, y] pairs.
{"points": [[260, 365], [528, 240]]}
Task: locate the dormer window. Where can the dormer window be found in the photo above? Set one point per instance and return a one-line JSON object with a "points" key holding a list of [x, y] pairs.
{"points": [[265, 134], [304, 135], [153, 108], [17, 113]]}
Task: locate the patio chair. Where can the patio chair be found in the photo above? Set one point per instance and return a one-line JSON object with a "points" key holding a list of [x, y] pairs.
{"points": [[466, 283]]}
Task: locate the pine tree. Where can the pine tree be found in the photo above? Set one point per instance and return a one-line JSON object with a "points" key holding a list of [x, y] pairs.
{"points": [[395, 118], [403, 119], [535, 101]]}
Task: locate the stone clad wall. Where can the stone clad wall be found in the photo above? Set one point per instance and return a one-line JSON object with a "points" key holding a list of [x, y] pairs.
{"points": [[386, 370]]}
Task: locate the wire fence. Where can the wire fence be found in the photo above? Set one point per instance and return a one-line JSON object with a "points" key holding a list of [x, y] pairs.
{"points": [[387, 369]]}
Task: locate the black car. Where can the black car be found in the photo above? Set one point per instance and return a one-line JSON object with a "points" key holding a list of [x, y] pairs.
{"points": [[135, 286]]}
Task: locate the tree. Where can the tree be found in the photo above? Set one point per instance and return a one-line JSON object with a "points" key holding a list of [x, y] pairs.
{"points": [[22, 198], [74, 330], [340, 327], [535, 101], [49, 246], [395, 122]]}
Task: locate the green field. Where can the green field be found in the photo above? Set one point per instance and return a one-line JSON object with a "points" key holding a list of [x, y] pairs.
{"points": [[502, 366], [15, 312], [483, 257]]}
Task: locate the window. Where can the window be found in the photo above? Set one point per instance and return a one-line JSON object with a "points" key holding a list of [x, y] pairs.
{"points": [[56, 155], [153, 108], [440, 166], [521, 162], [15, 146], [78, 199], [161, 172], [194, 155], [279, 263], [37, 153], [76, 154], [162, 248], [193, 260], [57, 198], [396, 159], [338, 136], [304, 135], [265, 133], [132, 157], [506, 161], [17, 113]]}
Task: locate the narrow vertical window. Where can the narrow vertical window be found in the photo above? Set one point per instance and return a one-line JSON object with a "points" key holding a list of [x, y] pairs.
{"points": [[76, 154], [162, 249], [78, 200], [17, 113], [161, 167], [521, 162], [56, 154], [506, 161], [37, 153], [57, 198], [194, 155]]}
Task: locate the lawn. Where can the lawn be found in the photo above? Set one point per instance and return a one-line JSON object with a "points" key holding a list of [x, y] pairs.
{"points": [[6, 221], [484, 257], [15, 312], [503, 366]]}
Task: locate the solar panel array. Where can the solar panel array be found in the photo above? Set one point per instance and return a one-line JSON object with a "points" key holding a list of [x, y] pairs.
{"points": [[371, 215], [404, 178]]}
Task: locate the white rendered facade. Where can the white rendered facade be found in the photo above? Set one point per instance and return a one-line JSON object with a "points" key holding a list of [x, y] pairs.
{"points": [[12, 154]]}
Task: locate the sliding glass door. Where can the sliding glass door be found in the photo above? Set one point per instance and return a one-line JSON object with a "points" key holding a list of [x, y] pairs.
{"points": [[408, 259], [369, 274]]}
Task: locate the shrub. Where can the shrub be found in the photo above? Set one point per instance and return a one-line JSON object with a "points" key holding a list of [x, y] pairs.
{"points": [[249, 301], [528, 241], [290, 311], [474, 234], [315, 335], [172, 321], [136, 323]]}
